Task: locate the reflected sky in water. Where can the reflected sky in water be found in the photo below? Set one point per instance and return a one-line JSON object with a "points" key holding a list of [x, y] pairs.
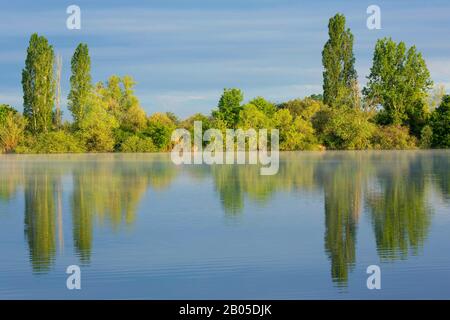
{"points": [[141, 227]]}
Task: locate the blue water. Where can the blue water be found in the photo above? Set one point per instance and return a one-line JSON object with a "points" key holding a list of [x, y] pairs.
{"points": [[141, 227]]}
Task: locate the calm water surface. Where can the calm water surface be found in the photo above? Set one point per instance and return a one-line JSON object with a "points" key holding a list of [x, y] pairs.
{"points": [[141, 227]]}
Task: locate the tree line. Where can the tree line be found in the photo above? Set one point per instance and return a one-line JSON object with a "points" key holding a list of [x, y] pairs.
{"points": [[397, 108]]}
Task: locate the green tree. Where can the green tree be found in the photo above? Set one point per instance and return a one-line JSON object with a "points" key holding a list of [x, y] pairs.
{"points": [[339, 63], [38, 84], [12, 126], [440, 123], [80, 82], [188, 124], [295, 133], [399, 81], [251, 117], [305, 108], [267, 107], [159, 129], [347, 128], [5, 111], [121, 102], [229, 107], [96, 128]]}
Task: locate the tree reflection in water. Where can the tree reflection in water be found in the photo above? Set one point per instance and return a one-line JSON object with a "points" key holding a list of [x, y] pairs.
{"points": [[391, 187]]}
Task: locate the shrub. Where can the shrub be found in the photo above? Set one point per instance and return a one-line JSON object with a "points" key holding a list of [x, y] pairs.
{"points": [[295, 134], [52, 142], [96, 129], [393, 137], [345, 128], [12, 126], [159, 129], [138, 144]]}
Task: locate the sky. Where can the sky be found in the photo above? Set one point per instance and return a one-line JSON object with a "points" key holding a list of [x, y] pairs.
{"points": [[183, 53]]}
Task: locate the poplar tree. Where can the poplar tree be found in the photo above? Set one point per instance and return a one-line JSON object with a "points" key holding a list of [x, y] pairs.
{"points": [[339, 63], [80, 82], [38, 84]]}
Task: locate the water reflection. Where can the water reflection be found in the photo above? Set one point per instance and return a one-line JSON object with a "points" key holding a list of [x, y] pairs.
{"points": [[342, 182], [40, 219], [393, 188], [399, 210]]}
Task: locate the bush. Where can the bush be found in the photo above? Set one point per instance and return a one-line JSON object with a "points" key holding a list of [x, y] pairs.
{"points": [[295, 134], [12, 126], [96, 129], [159, 129], [52, 142], [393, 137], [345, 128], [138, 144]]}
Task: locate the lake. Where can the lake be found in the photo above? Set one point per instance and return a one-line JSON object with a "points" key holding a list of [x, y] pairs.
{"points": [[141, 227]]}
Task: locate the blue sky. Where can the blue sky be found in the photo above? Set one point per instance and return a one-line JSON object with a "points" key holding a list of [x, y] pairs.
{"points": [[182, 53]]}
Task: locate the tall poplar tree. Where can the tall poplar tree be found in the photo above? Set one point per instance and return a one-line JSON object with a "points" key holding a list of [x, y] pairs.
{"points": [[339, 63], [80, 82], [38, 84]]}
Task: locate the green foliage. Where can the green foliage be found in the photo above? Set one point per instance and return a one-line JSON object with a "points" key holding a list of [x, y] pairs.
{"points": [[399, 81], [339, 63], [134, 119], [12, 127], [295, 133], [393, 137], [305, 108], [267, 107], [96, 128], [138, 144], [253, 117], [108, 116], [229, 107], [38, 85], [5, 111], [118, 98], [188, 124], [346, 128], [80, 82], [159, 129], [426, 137], [52, 142], [440, 123], [172, 116]]}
